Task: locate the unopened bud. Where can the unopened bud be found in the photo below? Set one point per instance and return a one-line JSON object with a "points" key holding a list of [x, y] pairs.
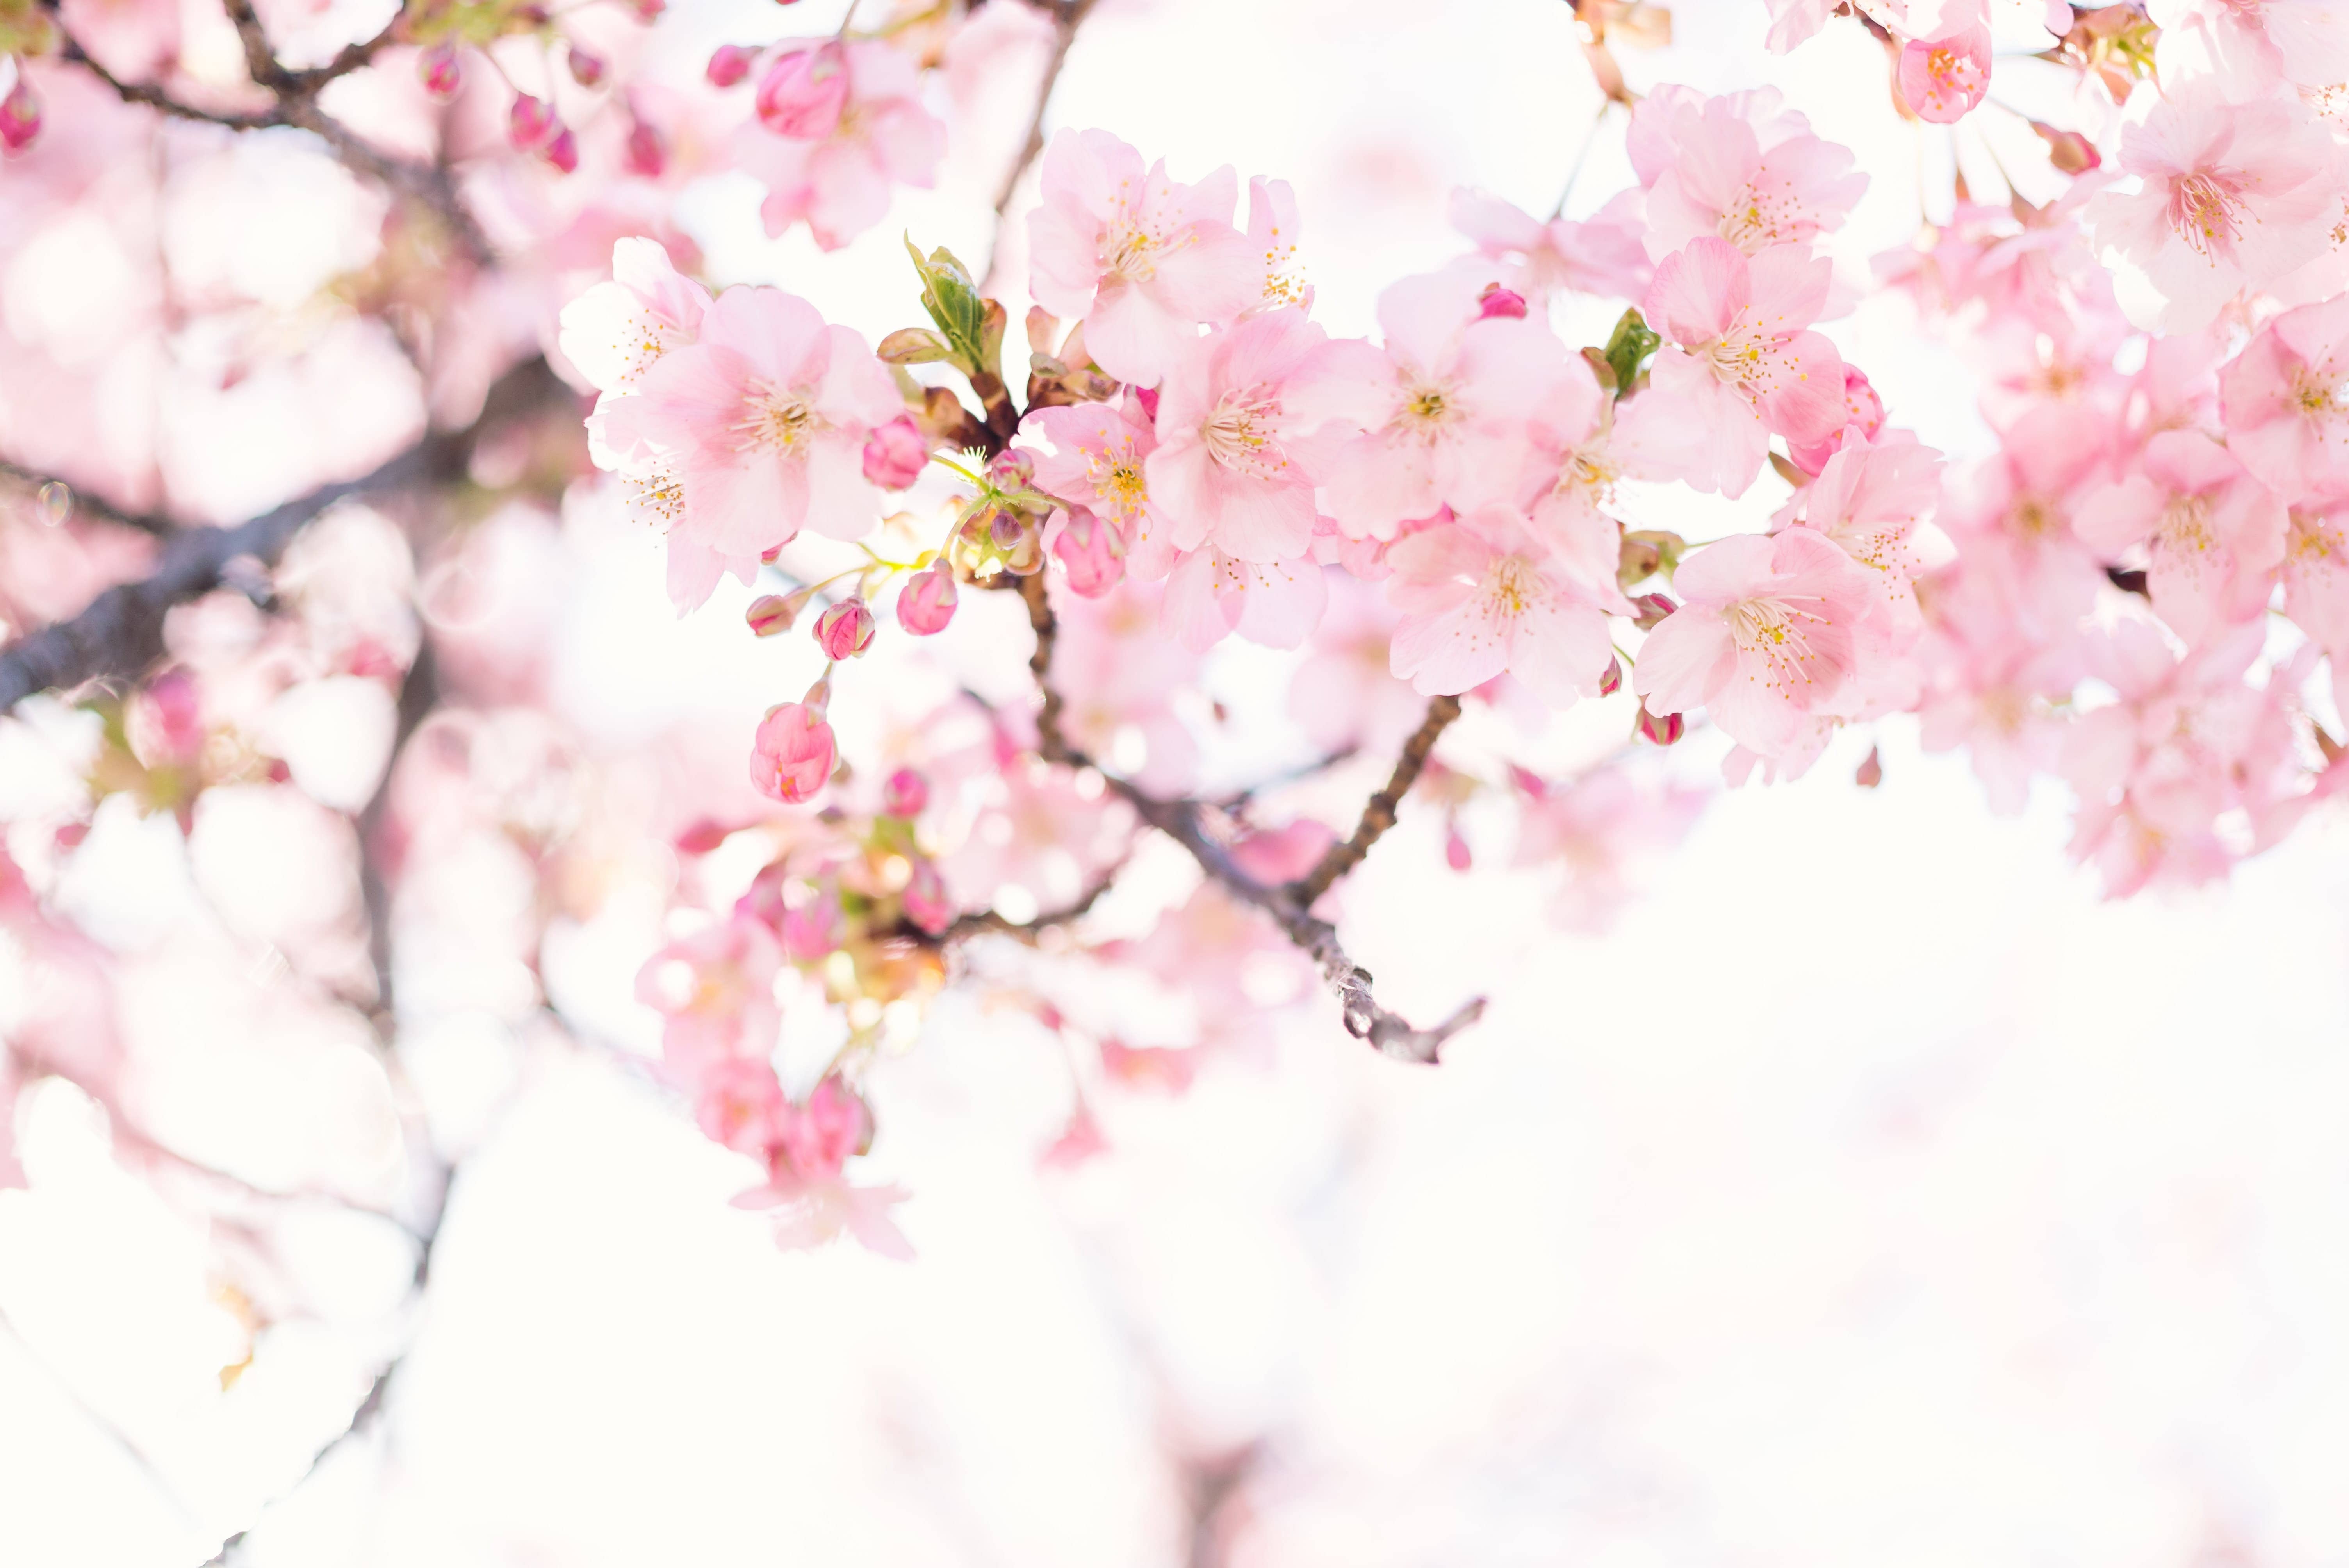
{"points": [[846, 630], [1498, 301], [905, 793], [2068, 151], [1653, 608], [1090, 551], [770, 614], [1455, 851], [20, 115], [927, 903], [1612, 681], [438, 69], [531, 123], [647, 151], [588, 71], [803, 93], [1012, 468], [1007, 529], [563, 152], [1871, 772], [1663, 729], [1148, 397], [926, 605], [1532, 783], [896, 454], [649, 11], [730, 64]]}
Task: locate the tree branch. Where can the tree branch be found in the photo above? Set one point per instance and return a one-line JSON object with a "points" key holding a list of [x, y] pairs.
{"points": [[1066, 18], [121, 633], [1180, 821], [1379, 812], [88, 505]]}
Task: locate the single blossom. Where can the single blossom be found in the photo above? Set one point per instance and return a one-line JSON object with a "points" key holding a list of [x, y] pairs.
{"points": [[1211, 595], [1764, 638], [791, 755], [1446, 409], [739, 1104], [2215, 534], [1098, 462], [838, 181], [1483, 595], [897, 455], [1945, 76], [762, 421], [1738, 168], [1088, 549], [1541, 261], [2246, 49], [2316, 578], [1740, 364], [804, 92], [844, 630], [1870, 499], [927, 603], [2286, 415], [1144, 261], [715, 991]]}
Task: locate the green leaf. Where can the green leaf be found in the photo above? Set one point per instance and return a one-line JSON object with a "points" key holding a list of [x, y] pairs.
{"points": [[953, 301], [914, 345], [1629, 349]]}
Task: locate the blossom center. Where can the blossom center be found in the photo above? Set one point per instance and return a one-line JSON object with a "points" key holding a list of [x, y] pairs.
{"points": [[776, 419], [1427, 408], [1511, 586], [1242, 430], [2186, 525], [2206, 208], [1775, 635], [1761, 216]]}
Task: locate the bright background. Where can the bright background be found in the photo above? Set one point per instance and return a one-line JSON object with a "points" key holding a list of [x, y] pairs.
{"points": [[1872, 1193]]}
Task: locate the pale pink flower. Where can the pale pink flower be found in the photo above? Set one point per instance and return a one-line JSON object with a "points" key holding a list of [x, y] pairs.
{"points": [[1765, 636], [1449, 407], [740, 1103], [792, 754], [2228, 196], [2248, 48], [1944, 77], [1343, 692], [1741, 363], [1870, 498], [2316, 578], [762, 421], [1863, 415], [1583, 443], [137, 40], [715, 991], [2215, 534], [927, 603], [1738, 167], [1482, 595], [804, 91], [1272, 236], [927, 903], [838, 182], [1098, 462], [1247, 424], [1088, 548], [1601, 829], [2286, 416], [1143, 260], [896, 454], [1542, 260], [614, 331], [1211, 595], [810, 1213]]}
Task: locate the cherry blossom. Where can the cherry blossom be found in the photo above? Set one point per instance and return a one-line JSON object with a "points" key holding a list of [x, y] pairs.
{"points": [[1481, 597], [2282, 400], [2213, 531], [829, 169], [1739, 168]]}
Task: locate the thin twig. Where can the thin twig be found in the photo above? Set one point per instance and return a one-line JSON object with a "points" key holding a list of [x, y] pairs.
{"points": [[87, 505], [1379, 811], [988, 922], [1066, 19], [420, 693]]}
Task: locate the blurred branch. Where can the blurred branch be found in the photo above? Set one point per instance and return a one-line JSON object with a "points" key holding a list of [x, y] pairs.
{"points": [[1181, 820], [86, 504], [988, 922], [1379, 811], [1068, 16], [419, 694], [121, 633]]}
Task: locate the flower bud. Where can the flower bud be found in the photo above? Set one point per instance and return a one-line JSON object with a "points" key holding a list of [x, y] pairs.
{"points": [[926, 604], [438, 70], [20, 115], [896, 454], [1090, 550], [588, 71], [905, 793], [1498, 301], [1653, 608], [846, 630], [803, 93], [728, 64], [927, 903], [1663, 728], [1455, 851], [1007, 530], [1148, 397], [563, 152], [531, 123], [649, 11], [1871, 771], [1612, 681], [1012, 468], [770, 615], [2068, 151], [791, 755], [647, 151]]}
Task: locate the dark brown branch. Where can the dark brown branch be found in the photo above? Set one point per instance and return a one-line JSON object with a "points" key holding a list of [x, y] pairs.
{"points": [[87, 505], [420, 693], [121, 633], [155, 98], [1379, 812], [1181, 820], [988, 922]]}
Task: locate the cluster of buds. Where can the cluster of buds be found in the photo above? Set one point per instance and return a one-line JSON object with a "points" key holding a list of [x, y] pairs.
{"points": [[1001, 527], [533, 126]]}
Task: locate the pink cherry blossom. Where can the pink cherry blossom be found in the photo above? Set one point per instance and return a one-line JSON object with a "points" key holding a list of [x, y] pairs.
{"points": [[1738, 168], [1484, 595], [897, 455], [792, 754], [762, 421], [838, 182], [844, 630], [1246, 421], [2286, 417], [2247, 49], [1541, 261], [1583, 443], [1944, 77], [1447, 412], [2226, 196], [715, 991], [1211, 595], [1765, 636], [1869, 499], [2215, 534], [1602, 829], [2316, 577], [739, 1103], [1098, 462], [1088, 549], [804, 92], [1144, 261], [1740, 365]]}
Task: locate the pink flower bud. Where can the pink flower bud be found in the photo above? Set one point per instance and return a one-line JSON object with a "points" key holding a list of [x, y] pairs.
{"points": [[1612, 681], [1663, 729], [927, 904], [438, 70], [649, 11], [895, 455], [803, 94], [846, 630], [587, 69], [1532, 783], [728, 64], [926, 604], [1653, 608], [1091, 550], [647, 151], [1455, 851], [1862, 414], [793, 753], [2068, 151], [770, 614], [1007, 529], [905, 793], [531, 123], [1012, 468], [1148, 397], [1498, 301], [20, 115], [563, 152], [819, 1137]]}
